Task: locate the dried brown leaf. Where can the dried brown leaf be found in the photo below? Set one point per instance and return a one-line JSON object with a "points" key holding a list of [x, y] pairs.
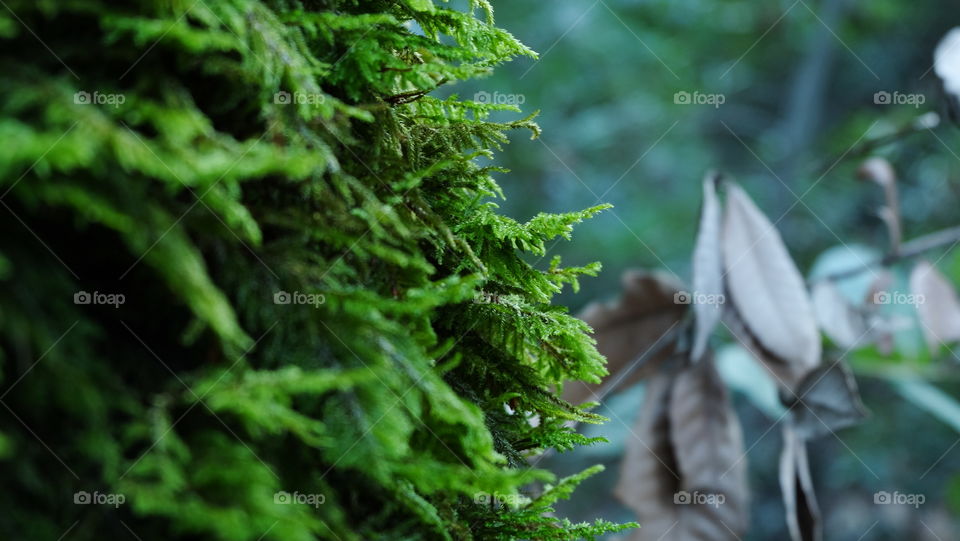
{"points": [[683, 472], [708, 445], [946, 63], [839, 320], [648, 476], [937, 305], [643, 317], [707, 269], [877, 170], [828, 400], [766, 288], [881, 327], [796, 484], [786, 375]]}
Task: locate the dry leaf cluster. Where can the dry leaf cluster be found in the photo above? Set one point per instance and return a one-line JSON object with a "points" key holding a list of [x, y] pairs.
{"points": [[684, 472]]}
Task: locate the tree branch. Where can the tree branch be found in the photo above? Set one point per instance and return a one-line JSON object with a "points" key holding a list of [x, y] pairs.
{"points": [[908, 250], [924, 122]]}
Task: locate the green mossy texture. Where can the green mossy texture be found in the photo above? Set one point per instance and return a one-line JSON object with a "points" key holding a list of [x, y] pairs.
{"points": [[414, 390]]}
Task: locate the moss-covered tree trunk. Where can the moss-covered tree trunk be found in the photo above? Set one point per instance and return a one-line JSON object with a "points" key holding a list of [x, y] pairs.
{"points": [[254, 285]]}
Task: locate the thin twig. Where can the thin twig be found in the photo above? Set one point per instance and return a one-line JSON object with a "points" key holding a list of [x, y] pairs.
{"points": [[908, 250], [924, 122]]}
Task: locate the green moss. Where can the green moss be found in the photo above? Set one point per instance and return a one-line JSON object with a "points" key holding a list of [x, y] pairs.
{"points": [[236, 155]]}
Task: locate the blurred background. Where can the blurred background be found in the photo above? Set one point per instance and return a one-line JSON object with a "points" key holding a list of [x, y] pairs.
{"points": [[640, 99]]}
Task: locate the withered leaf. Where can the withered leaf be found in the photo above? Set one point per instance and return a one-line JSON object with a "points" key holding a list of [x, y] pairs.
{"points": [[707, 269], [946, 63], [937, 305], [641, 320], [796, 484], [877, 169], [708, 445], [837, 318], [683, 472], [766, 288], [880, 325], [648, 475], [827, 400], [786, 375]]}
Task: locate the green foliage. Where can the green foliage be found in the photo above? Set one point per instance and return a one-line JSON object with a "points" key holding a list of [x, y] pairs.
{"points": [[318, 296], [526, 520]]}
